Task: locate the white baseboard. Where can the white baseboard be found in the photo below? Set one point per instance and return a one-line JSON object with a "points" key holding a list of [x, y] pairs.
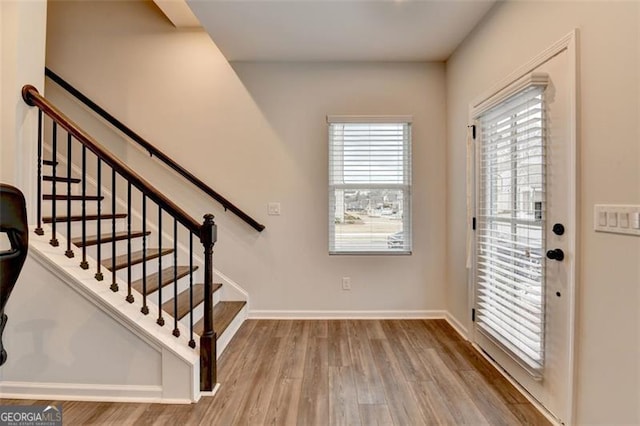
{"points": [[215, 390], [541, 408], [287, 314], [411, 314], [463, 332], [85, 392], [457, 326]]}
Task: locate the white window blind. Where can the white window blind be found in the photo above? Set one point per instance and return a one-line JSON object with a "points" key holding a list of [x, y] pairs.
{"points": [[510, 263], [369, 185]]}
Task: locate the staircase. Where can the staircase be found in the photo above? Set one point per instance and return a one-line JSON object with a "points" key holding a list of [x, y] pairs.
{"points": [[151, 284], [142, 247]]}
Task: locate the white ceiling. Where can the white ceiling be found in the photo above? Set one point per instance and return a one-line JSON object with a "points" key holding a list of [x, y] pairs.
{"points": [[338, 30]]}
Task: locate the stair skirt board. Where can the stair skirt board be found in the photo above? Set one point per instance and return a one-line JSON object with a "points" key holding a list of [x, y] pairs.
{"points": [[129, 315]]}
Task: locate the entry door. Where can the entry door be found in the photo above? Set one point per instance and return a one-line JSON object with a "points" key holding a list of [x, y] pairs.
{"points": [[524, 236]]}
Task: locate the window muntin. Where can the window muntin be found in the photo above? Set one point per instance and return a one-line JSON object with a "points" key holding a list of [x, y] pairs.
{"points": [[369, 186]]}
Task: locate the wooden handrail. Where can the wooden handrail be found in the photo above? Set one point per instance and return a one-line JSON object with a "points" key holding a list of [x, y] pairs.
{"points": [[153, 151], [33, 98]]}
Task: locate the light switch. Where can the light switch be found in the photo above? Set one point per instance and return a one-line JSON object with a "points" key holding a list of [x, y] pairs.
{"points": [[602, 218], [617, 218], [623, 219], [273, 209]]}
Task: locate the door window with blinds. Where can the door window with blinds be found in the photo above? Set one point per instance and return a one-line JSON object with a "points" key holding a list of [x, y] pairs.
{"points": [[510, 266], [369, 185]]}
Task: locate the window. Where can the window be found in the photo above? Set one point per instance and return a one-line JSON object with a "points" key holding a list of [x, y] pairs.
{"points": [[369, 185], [511, 227]]}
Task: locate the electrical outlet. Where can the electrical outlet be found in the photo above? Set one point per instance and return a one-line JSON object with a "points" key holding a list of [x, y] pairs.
{"points": [[346, 283]]}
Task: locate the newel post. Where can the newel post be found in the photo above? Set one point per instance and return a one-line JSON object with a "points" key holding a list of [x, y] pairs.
{"points": [[208, 373]]}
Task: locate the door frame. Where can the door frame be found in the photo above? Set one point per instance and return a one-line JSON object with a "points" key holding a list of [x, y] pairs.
{"points": [[568, 44]]}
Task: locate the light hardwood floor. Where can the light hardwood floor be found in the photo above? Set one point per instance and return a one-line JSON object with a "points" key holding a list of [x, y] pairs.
{"points": [[389, 372]]}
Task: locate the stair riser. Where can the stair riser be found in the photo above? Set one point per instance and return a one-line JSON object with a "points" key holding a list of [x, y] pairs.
{"points": [[92, 205], [198, 311], [91, 226], [136, 270], [121, 226], [183, 282], [76, 207], [122, 274], [76, 210], [168, 291], [217, 296], [121, 247], [61, 187]]}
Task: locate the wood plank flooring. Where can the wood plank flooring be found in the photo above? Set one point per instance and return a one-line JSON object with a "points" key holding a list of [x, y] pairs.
{"points": [[351, 372]]}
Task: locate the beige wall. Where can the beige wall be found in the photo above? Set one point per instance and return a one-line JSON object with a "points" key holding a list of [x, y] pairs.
{"points": [[257, 134], [608, 291], [22, 44]]}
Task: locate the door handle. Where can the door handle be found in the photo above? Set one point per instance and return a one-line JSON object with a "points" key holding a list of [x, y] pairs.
{"points": [[558, 229], [555, 254]]}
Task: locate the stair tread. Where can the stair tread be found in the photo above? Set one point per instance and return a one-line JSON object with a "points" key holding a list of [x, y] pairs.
{"points": [[92, 240], [167, 278], [63, 197], [78, 218], [61, 179], [136, 257], [223, 314], [184, 304]]}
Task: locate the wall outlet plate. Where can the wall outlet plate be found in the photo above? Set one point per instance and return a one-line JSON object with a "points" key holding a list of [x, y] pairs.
{"points": [[346, 283], [273, 209]]}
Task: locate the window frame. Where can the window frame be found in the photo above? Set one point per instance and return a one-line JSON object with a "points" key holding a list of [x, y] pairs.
{"points": [[405, 187]]}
